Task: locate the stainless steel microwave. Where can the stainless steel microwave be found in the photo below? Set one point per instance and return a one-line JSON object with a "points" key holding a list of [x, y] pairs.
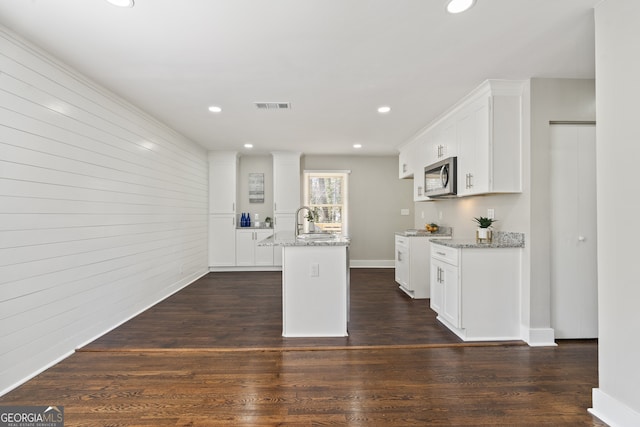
{"points": [[440, 179]]}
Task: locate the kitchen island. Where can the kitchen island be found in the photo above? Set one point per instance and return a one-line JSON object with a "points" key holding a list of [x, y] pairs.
{"points": [[315, 284]]}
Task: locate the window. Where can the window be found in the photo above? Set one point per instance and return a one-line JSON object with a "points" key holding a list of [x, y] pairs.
{"points": [[326, 192]]}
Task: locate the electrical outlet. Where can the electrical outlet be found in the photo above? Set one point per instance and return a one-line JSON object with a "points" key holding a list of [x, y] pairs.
{"points": [[315, 270], [404, 212], [422, 214], [491, 213], [440, 215]]}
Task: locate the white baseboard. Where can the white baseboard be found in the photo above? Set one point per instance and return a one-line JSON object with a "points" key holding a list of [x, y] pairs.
{"points": [[372, 263], [612, 411], [538, 337]]}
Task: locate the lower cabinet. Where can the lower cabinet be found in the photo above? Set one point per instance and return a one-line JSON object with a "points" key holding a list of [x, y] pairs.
{"points": [[222, 240], [476, 291], [412, 265], [248, 253]]}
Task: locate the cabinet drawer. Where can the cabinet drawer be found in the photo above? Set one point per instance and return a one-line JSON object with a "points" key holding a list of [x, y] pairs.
{"points": [[402, 240], [445, 253]]}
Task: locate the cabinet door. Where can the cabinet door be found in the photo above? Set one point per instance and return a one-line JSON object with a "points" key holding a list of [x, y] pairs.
{"points": [[286, 182], [402, 264], [222, 240], [263, 254], [437, 296], [473, 145], [245, 247], [223, 167], [446, 143], [451, 294]]}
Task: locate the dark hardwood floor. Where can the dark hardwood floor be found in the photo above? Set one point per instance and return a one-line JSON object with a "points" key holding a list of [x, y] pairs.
{"points": [[212, 355]]}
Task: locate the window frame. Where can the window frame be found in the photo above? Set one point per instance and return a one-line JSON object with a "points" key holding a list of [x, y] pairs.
{"points": [[344, 174]]}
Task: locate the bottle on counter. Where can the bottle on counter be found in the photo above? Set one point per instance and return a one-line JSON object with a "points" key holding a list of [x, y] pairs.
{"points": [[248, 220], [243, 220]]}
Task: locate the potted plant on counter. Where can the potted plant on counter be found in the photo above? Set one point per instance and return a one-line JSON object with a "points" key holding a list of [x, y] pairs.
{"points": [[312, 217], [484, 233]]}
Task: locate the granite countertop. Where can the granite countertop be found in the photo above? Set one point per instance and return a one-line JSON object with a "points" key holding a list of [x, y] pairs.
{"points": [[442, 232], [501, 239], [289, 239]]}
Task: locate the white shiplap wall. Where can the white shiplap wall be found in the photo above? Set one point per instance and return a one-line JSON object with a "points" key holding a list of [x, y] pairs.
{"points": [[103, 211]]}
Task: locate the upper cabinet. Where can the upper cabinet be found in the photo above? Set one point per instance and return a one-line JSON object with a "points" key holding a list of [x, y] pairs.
{"points": [[223, 175], [485, 131], [286, 182]]}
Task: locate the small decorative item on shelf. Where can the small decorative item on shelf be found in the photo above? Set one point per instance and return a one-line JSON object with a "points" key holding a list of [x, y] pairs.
{"points": [[431, 228], [267, 221], [484, 233]]}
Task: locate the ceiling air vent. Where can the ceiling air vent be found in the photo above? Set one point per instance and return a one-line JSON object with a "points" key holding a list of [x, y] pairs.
{"points": [[273, 105]]}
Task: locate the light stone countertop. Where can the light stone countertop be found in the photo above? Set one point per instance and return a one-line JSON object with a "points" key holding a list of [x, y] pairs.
{"points": [[442, 232], [289, 239], [501, 239]]}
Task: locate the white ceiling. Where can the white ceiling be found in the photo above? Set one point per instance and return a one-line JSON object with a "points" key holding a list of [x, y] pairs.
{"points": [[336, 61]]}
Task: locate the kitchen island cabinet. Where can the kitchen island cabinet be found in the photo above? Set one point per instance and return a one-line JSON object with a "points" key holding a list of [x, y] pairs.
{"points": [[315, 285], [475, 289]]}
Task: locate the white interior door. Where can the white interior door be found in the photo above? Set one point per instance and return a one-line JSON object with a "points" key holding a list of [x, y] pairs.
{"points": [[574, 292]]}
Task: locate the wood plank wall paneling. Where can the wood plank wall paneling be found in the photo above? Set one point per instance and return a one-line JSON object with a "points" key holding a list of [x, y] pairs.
{"points": [[103, 210]]}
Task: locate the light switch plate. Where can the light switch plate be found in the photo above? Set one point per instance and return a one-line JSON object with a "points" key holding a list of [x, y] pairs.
{"points": [[491, 213], [404, 212]]}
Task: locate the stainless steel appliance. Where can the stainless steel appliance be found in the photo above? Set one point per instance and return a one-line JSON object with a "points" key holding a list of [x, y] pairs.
{"points": [[440, 179]]}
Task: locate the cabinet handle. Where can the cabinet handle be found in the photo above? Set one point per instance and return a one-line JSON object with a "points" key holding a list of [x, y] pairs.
{"points": [[470, 180], [441, 253], [233, 221], [399, 256], [233, 207]]}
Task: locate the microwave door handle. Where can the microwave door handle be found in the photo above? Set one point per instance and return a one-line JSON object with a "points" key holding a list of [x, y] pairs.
{"points": [[444, 176]]}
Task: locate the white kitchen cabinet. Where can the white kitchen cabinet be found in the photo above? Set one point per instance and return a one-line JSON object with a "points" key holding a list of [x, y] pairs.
{"points": [[484, 131], [222, 240], [489, 133], [404, 162], [443, 142], [223, 170], [286, 182], [223, 176], [476, 291], [412, 264], [248, 253]]}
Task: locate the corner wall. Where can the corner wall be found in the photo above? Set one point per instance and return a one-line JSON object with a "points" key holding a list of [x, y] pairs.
{"points": [[617, 400], [103, 211]]}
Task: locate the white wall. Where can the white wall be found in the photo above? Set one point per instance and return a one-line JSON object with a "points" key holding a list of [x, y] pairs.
{"points": [[527, 212], [103, 211], [617, 400], [376, 196]]}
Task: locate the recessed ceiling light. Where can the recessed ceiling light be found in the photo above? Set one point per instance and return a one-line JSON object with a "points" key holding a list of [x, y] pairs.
{"points": [[215, 109], [121, 3], [247, 145], [384, 109], [357, 145], [458, 6]]}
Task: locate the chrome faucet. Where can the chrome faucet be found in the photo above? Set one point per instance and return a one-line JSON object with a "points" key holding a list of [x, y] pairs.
{"points": [[298, 224]]}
